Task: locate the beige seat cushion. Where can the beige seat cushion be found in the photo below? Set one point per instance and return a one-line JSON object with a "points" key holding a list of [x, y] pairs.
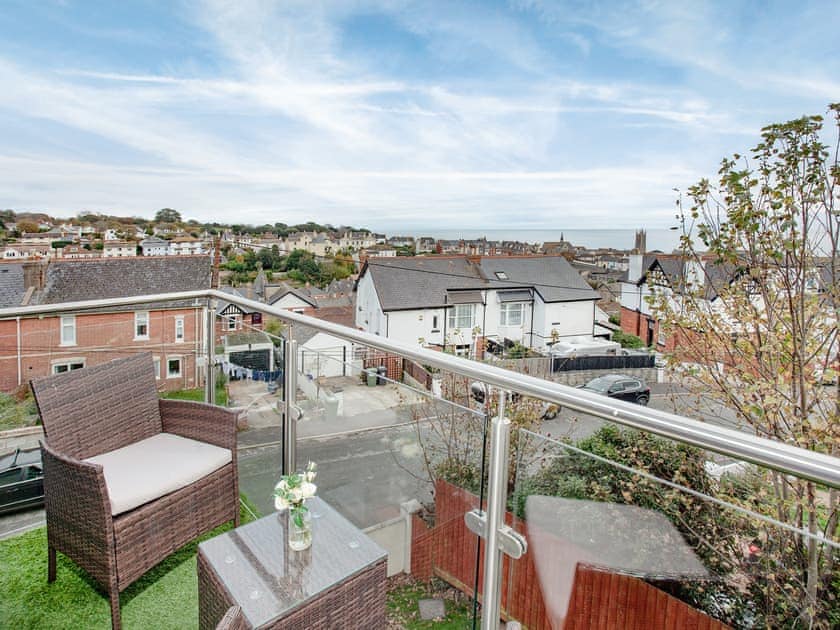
{"points": [[148, 469]]}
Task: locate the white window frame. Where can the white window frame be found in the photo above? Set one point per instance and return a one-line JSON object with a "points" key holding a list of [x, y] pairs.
{"points": [[180, 372], [232, 320], [435, 324], [68, 325], [140, 318], [156, 361], [660, 336], [55, 366], [507, 310], [462, 316], [179, 329]]}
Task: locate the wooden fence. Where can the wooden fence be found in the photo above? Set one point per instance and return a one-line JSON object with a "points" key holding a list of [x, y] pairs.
{"points": [[599, 599]]}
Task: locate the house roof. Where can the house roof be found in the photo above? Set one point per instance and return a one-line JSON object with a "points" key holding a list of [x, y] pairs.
{"points": [[224, 305], [342, 315], [245, 338], [303, 294], [516, 295], [11, 284], [430, 282], [715, 275], [552, 276], [101, 278], [420, 282], [153, 241]]}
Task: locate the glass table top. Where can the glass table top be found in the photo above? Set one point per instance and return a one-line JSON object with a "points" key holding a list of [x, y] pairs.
{"points": [[269, 580]]}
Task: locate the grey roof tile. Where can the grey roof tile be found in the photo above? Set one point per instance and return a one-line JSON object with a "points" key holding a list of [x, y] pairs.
{"points": [[552, 276], [425, 282], [70, 281], [421, 282], [11, 284]]}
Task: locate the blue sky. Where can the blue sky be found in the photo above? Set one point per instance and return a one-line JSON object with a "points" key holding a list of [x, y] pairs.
{"points": [[397, 115]]}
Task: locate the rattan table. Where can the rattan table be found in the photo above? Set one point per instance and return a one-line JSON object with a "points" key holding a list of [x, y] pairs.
{"points": [[339, 582]]}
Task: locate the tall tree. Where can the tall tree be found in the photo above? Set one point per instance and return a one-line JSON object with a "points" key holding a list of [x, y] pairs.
{"points": [[757, 318], [167, 215]]}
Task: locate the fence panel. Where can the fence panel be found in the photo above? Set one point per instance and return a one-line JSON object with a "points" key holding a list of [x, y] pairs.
{"points": [[602, 362], [600, 599]]}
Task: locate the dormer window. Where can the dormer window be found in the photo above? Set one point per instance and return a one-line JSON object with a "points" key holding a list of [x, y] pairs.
{"points": [[501, 275]]}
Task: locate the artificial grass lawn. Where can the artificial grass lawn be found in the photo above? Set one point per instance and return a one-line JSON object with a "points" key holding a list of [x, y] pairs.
{"points": [[166, 597], [403, 606]]}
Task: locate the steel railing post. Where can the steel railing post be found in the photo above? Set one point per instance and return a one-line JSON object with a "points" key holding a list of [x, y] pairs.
{"points": [[496, 491], [290, 412], [210, 356]]}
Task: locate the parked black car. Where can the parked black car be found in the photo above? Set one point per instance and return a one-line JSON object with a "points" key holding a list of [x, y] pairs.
{"points": [[21, 480], [619, 386]]}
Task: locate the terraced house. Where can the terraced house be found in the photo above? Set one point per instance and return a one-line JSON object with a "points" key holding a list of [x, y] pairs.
{"points": [[37, 346]]}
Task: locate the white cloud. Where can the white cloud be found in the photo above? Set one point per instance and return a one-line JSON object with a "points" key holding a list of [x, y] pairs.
{"points": [[290, 128]]}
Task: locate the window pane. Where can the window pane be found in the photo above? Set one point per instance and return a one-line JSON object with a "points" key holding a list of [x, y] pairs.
{"points": [[461, 316], [68, 330], [141, 324], [511, 315]]}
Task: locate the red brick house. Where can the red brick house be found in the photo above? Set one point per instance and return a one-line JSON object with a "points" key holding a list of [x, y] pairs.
{"points": [[41, 345]]}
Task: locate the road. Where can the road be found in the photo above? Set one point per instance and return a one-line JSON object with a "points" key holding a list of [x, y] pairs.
{"points": [[365, 476], [370, 463], [665, 397]]}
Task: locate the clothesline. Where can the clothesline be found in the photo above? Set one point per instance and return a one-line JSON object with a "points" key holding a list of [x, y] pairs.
{"points": [[237, 372]]}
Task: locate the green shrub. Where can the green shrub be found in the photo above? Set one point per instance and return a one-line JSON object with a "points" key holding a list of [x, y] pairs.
{"points": [[627, 340]]}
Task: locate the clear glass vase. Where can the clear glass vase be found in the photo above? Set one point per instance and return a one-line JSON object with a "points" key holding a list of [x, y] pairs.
{"points": [[300, 529]]}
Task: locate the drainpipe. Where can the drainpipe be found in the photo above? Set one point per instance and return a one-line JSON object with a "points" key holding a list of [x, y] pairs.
{"points": [[445, 320], [196, 342], [19, 366], [210, 380], [531, 334], [483, 325]]}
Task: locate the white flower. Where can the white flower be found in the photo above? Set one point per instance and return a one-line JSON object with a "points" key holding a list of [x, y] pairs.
{"points": [[310, 476], [280, 504], [308, 489], [281, 485], [295, 495]]}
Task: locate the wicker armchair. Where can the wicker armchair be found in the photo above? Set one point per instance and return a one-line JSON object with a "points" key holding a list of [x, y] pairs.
{"points": [[117, 533]]}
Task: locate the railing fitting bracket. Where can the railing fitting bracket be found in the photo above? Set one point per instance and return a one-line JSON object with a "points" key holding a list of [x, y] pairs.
{"points": [[511, 542]]}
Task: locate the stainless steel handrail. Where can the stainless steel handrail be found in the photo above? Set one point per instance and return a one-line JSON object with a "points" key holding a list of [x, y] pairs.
{"points": [[770, 453]]}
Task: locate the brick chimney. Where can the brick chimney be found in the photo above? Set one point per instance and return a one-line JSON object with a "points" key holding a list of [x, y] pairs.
{"points": [[34, 275], [217, 259]]}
